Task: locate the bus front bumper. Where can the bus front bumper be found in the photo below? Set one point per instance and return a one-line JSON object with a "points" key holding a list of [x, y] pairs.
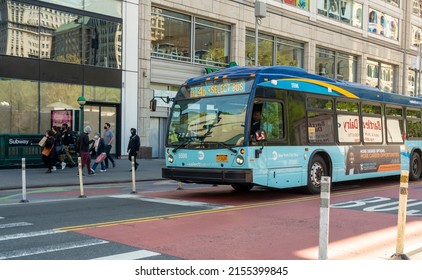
{"points": [[208, 175]]}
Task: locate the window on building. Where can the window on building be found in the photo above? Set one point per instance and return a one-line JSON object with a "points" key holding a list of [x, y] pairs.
{"points": [[289, 53], [212, 43], [346, 11], [417, 7], [383, 24], [171, 38], [336, 65], [381, 75], [286, 52]]}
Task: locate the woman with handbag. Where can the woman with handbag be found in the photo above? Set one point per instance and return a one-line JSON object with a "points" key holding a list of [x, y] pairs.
{"points": [[100, 152], [47, 151]]}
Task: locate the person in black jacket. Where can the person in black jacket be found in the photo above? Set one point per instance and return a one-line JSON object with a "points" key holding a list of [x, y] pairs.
{"points": [[83, 149], [67, 140], [133, 146]]}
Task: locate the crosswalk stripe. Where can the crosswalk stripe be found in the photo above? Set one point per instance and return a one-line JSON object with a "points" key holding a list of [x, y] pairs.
{"points": [[141, 254], [29, 234], [22, 224], [49, 249]]}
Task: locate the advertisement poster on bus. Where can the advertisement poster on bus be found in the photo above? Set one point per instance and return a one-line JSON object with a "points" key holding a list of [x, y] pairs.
{"points": [[349, 129], [361, 159]]}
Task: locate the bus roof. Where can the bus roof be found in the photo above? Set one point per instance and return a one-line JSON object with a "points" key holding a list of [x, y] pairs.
{"points": [[260, 73], [293, 77]]}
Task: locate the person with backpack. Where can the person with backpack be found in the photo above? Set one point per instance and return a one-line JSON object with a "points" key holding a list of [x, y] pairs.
{"points": [[67, 141]]}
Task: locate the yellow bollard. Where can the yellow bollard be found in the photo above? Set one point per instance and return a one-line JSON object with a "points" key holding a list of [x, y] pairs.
{"points": [[81, 181], [401, 220], [133, 176]]}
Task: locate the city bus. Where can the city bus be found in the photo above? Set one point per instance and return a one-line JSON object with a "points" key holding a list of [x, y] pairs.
{"points": [[311, 126]]}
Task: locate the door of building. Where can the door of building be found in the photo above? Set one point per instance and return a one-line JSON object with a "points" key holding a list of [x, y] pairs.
{"points": [[96, 115]]}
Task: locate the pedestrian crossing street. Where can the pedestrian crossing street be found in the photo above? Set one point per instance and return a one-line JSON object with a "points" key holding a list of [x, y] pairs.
{"points": [[23, 240]]}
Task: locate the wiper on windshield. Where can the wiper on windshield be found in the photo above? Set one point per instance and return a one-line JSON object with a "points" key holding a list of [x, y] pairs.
{"points": [[184, 143], [222, 144]]}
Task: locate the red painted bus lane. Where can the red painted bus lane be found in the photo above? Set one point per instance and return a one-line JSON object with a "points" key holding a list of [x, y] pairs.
{"points": [[283, 230]]}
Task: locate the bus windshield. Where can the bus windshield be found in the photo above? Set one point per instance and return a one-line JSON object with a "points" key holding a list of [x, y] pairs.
{"points": [[212, 122]]}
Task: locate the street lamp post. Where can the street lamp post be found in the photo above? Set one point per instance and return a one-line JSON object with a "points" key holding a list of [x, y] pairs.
{"points": [[81, 101], [260, 12]]}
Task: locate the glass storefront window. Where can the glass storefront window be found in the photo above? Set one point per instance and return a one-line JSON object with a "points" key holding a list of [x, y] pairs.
{"points": [[170, 35], [102, 94], [18, 106], [336, 65], [383, 24], [57, 96], [381, 75], [265, 49], [346, 11], [212, 43], [289, 53]]}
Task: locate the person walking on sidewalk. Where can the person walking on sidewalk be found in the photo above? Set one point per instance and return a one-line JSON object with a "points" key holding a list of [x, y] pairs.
{"points": [[47, 150], [83, 149], [108, 139], [133, 146], [58, 152], [100, 150], [67, 140]]}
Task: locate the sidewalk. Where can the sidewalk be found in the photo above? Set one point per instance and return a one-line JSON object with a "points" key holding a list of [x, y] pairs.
{"points": [[149, 169]]}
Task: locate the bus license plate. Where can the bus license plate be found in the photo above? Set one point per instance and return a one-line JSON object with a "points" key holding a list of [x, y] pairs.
{"points": [[222, 158]]}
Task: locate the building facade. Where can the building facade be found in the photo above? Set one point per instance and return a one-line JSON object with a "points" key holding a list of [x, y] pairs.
{"points": [[120, 55]]}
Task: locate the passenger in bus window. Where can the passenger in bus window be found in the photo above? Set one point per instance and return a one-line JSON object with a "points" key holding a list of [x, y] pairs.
{"points": [[351, 166]]}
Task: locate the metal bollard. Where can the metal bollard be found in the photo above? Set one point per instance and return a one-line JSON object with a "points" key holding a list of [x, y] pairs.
{"points": [[24, 181], [401, 220], [133, 176], [81, 181], [324, 217]]}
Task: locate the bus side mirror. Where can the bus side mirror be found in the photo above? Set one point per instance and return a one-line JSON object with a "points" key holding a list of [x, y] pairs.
{"points": [[260, 137]]}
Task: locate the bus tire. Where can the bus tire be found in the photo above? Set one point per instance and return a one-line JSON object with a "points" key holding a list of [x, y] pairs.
{"points": [[242, 187], [317, 169], [415, 167]]}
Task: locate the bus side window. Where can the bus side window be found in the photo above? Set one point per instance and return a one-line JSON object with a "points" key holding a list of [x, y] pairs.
{"points": [[272, 119]]}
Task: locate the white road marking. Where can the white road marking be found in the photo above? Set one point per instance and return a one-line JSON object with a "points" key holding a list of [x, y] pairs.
{"points": [[29, 234], [52, 248], [22, 224], [171, 201], [141, 254]]}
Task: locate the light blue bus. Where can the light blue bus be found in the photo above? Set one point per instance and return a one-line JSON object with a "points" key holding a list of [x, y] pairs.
{"points": [[311, 126]]}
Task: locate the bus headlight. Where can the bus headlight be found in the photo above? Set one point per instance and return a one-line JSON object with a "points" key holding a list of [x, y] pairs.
{"points": [[170, 158], [240, 160]]}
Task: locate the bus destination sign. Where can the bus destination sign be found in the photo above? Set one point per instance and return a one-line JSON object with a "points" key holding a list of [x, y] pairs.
{"points": [[217, 89]]}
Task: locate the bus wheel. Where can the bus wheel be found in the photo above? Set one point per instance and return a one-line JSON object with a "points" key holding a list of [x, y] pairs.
{"points": [[415, 167], [317, 169], [242, 187]]}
